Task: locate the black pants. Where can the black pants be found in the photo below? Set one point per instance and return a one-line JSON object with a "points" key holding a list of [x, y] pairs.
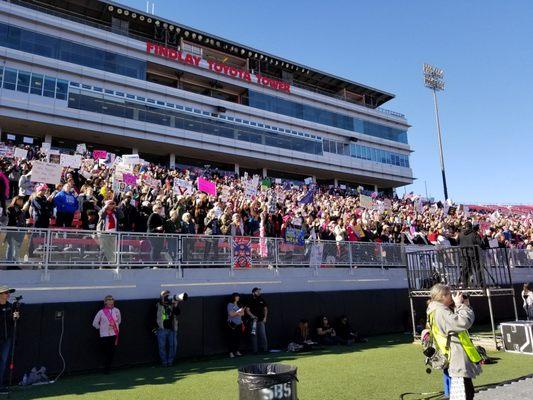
{"points": [[234, 338], [64, 219], [108, 349], [469, 389]]}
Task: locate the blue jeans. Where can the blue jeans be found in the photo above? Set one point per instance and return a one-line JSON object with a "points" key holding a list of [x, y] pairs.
{"points": [[5, 349], [259, 337], [166, 340]]}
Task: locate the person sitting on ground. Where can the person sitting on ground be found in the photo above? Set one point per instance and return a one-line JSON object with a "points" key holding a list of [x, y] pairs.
{"points": [[302, 336], [325, 332], [346, 334]]}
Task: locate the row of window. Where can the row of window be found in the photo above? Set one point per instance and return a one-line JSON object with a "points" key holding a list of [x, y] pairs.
{"points": [[30, 82], [31, 42], [99, 103], [163, 104], [325, 117], [366, 153], [60, 49]]}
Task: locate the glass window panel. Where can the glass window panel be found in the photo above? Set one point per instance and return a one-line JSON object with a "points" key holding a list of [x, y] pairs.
{"points": [[37, 81], [23, 82], [10, 79], [49, 86], [61, 89]]}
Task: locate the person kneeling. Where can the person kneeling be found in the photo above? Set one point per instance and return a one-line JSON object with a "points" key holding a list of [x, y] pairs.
{"points": [[325, 332]]}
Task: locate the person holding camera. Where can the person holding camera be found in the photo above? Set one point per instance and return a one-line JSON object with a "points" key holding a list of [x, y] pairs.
{"points": [[257, 310], [107, 321], [167, 326], [449, 328], [235, 313], [8, 315], [527, 296]]}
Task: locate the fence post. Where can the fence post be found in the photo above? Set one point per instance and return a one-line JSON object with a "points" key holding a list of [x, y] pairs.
{"points": [[231, 257], [276, 258], [381, 256], [350, 257], [179, 247], [118, 258], [47, 246]]}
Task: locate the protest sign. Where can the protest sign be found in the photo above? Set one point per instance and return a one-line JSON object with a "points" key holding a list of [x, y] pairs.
{"points": [[242, 252], [54, 157], [46, 172], [151, 182], [46, 147], [278, 181], [20, 153], [99, 154], [131, 159], [294, 236], [129, 179], [250, 189], [181, 186], [67, 160], [365, 201], [81, 148], [207, 186]]}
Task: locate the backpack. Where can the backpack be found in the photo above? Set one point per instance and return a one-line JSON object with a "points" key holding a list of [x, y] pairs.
{"points": [[435, 359]]}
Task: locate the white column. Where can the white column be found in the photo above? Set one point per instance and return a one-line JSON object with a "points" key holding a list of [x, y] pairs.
{"points": [[172, 160], [134, 150], [376, 188], [265, 172], [314, 178], [335, 182], [237, 169], [48, 138]]}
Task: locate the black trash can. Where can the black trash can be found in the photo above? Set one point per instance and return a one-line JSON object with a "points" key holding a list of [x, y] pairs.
{"points": [[267, 382]]}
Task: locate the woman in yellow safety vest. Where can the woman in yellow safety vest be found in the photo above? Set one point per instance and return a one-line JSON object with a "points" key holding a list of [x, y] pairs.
{"points": [[449, 327]]}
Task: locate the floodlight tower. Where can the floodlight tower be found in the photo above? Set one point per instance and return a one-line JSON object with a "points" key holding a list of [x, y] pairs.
{"points": [[434, 80]]}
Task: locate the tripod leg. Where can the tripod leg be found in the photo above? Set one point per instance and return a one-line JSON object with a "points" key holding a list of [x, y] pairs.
{"points": [[12, 360]]}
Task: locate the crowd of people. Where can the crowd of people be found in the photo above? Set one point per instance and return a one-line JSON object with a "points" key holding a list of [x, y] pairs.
{"points": [[116, 194]]}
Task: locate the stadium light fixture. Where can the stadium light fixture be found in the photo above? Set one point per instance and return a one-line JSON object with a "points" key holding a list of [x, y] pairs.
{"points": [[434, 80]]}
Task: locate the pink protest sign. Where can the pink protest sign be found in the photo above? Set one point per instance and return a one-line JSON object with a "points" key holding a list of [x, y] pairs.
{"points": [[99, 154], [207, 186], [129, 179]]}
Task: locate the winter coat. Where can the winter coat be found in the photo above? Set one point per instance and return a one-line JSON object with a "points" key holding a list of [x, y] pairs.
{"points": [[455, 321]]}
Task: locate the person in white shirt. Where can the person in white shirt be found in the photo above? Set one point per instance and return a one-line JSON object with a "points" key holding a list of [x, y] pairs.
{"points": [[107, 321], [527, 296]]}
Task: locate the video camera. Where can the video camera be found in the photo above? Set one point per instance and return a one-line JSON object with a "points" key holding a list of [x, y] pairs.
{"points": [[17, 303], [177, 297]]}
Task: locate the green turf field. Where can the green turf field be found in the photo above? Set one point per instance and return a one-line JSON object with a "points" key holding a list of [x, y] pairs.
{"points": [[383, 368]]}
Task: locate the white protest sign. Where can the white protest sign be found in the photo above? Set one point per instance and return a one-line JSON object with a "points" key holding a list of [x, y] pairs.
{"points": [[81, 148], [45, 147], [46, 172], [278, 181], [131, 159], [20, 153], [70, 161], [181, 186], [365, 201]]}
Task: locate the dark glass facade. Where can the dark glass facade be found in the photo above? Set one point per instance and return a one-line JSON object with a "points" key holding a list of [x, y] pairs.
{"points": [[99, 103], [366, 153], [325, 117], [30, 82], [60, 49]]}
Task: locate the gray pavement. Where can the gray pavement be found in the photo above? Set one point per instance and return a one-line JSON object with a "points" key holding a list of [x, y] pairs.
{"points": [[513, 391]]}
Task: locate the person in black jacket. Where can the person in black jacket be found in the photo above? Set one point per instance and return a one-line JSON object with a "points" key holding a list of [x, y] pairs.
{"points": [[7, 318], [16, 218], [156, 224], [42, 208], [470, 243]]}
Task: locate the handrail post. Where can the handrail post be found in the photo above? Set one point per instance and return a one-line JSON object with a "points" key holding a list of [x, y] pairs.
{"points": [[350, 257], [380, 248], [179, 246], [231, 257], [276, 265], [47, 247], [118, 254]]}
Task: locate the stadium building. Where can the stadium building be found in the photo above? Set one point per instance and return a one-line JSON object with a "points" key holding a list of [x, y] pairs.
{"points": [[122, 80]]}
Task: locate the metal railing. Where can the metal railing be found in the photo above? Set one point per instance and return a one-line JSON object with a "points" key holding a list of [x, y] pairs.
{"points": [[48, 249]]}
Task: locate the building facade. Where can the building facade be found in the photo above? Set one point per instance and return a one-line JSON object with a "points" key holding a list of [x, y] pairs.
{"points": [[126, 81]]}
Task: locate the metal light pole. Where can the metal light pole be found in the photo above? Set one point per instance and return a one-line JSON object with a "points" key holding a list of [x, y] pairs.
{"points": [[434, 80]]}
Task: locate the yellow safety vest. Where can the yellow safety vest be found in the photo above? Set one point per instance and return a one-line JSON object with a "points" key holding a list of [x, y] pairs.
{"points": [[442, 343]]}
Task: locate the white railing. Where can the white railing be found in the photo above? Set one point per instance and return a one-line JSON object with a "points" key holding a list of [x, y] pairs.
{"points": [[46, 249]]}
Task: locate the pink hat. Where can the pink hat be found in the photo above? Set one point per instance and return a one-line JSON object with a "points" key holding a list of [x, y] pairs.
{"points": [[42, 186]]}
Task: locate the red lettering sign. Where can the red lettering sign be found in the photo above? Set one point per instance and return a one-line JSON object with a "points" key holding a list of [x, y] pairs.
{"points": [[215, 66]]}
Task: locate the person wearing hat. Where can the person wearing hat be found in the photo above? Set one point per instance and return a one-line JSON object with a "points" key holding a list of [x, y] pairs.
{"points": [[257, 310], [41, 207], [8, 315], [108, 222], [167, 328]]}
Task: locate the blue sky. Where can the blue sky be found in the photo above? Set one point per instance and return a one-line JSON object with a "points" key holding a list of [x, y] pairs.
{"points": [[484, 47]]}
